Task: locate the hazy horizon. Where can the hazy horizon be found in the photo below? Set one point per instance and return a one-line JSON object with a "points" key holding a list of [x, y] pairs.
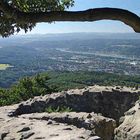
{"points": [[79, 34], [108, 26]]}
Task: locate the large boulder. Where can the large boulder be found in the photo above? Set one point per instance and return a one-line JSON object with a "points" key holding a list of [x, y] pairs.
{"points": [[130, 127]]}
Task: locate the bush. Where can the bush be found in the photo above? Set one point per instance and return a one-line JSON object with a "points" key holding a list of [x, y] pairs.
{"points": [[26, 88], [61, 109]]}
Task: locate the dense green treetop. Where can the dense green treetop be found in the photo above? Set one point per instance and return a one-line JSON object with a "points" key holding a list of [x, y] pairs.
{"points": [[9, 23]]}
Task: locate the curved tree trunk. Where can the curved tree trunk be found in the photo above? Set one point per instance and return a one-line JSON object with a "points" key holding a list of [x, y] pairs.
{"points": [[90, 15]]}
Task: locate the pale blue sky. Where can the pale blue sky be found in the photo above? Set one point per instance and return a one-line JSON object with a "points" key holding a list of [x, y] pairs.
{"points": [[99, 26]]}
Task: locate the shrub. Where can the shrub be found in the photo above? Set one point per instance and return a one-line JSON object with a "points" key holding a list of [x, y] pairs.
{"points": [[61, 109]]}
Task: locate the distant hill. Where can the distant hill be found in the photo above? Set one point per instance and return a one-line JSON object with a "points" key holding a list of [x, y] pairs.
{"points": [[104, 52], [69, 36]]}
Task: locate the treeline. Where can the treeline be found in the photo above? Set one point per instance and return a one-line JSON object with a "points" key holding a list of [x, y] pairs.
{"points": [[47, 83], [69, 80]]}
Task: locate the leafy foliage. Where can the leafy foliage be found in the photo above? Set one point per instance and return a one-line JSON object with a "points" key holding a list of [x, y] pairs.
{"points": [[41, 5], [26, 88], [10, 25], [61, 109]]}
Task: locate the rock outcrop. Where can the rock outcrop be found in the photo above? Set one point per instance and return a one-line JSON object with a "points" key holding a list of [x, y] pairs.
{"points": [[96, 112], [130, 127], [56, 126], [111, 102]]}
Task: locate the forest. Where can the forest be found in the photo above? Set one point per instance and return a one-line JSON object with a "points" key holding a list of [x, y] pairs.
{"points": [[50, 82]]}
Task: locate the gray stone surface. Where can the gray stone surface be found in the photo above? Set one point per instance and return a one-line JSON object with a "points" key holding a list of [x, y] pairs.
{"points": [[95, 138], [130, 127], [63, 126], [109, 101], [93, 107]]}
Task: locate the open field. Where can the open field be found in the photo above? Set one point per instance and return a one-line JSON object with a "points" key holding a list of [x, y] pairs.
{"points": [[4, 66]]}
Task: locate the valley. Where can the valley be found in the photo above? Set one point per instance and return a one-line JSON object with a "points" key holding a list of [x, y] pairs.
{"points": [[109, 53]]}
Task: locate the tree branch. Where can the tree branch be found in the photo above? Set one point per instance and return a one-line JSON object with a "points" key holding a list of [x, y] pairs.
{"points": [[90, 15]]}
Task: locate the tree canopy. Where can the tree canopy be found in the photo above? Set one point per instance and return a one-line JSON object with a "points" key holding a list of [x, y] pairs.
{"points": [[16, 15]]}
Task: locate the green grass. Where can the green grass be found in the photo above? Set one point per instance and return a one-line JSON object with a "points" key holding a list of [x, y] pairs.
{"points": [[4, 66]]}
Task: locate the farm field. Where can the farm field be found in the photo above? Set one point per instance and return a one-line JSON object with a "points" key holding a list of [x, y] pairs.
{"points": [[4, 66]]}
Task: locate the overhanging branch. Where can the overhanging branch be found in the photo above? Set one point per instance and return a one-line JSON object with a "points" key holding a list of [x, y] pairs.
{"points": [[90, 15]]}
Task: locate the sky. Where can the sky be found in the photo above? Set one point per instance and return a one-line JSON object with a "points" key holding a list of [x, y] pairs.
{"points": [[98, 26]]}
